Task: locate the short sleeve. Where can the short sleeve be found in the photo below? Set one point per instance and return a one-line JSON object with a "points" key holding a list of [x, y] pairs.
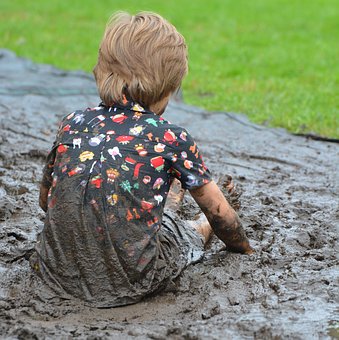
{"points": [[187, 164]]}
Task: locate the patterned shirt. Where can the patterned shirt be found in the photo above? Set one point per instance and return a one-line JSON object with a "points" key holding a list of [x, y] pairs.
{"points": [[109, 173]]}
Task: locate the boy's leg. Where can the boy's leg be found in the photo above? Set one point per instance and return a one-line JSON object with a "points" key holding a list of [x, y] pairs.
{"points": [[202, 226]]}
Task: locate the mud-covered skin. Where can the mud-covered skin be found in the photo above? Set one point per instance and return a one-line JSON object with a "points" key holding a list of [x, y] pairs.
{"points": [[289, 210], [223, 219], [232, 234], [230, 191]]}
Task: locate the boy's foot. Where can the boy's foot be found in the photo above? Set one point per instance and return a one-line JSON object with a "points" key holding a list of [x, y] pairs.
{"points": [[175, 195], [202, 226]]}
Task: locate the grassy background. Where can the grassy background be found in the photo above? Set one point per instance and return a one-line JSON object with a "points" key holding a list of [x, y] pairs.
{"points": [[274, 60]]}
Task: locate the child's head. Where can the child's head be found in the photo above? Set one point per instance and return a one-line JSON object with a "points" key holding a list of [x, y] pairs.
{"points": [[143, 56]]}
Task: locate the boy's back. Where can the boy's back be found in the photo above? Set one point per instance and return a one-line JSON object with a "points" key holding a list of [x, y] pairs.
{"points": [[112, 169]]}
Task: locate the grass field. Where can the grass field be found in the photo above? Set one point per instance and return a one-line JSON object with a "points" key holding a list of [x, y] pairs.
{"points": [[274, 60]]}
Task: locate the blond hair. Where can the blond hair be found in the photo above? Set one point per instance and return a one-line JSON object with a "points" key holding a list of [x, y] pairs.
{"points": [[142, 56]]}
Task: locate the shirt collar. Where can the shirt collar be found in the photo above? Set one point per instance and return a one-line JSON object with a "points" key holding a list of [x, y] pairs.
{"points": [[128, 104]]}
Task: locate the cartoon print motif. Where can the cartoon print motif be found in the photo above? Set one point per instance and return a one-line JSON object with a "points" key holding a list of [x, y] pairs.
{"points": [[114, 152], [109, 134], [124, 139], [146, 179], [96, 181], [70, 116], [176, 173], [112, 175], [137, 107], [183, 154], [150, 136], [76, 143], [137, 167], [124, 167], [202, 168], [193, 147], [126, 186], [132, 215], [98, 120], [173, 156], [102, 158], [79, 118], [169, 136], [152, 121], [112, 199], [194, 150], [61, 149], [158, 163], [188, 164], [158, 198], [159, 147], [158, 183], [119, 118], [92, 166], [140, 149], [137, 115], [79, 169], [153, 224], [66, 128], [86, 155], [95, 141], [136, 130], [73, 132], [146, 206], [192, 181], [183, 136]]}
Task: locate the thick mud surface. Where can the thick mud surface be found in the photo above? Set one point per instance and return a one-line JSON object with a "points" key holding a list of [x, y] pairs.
{"points": [[289, 288]]}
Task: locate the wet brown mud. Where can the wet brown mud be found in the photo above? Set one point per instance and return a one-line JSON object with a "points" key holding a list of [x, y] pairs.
{"points": [[288, 288]]}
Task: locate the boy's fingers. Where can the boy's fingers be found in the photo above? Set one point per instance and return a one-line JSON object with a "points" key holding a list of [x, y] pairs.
{"points": [[249, 251]]}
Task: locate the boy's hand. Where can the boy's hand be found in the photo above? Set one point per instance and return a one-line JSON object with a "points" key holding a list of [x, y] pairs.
{"points": [[230, 191], [243, 248], [222, 218]]}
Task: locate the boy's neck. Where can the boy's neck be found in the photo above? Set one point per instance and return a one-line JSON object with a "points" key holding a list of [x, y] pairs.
{"points": [[159, 107]]}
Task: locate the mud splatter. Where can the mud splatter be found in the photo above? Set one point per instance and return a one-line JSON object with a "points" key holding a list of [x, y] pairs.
{"points": [[289, 208]]}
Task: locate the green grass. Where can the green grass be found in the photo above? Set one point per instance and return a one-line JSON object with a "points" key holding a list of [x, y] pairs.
{"points": [[274, 60]]}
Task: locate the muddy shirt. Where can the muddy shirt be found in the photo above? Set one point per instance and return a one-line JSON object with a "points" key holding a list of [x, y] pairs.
{"points": [[109, 174]]}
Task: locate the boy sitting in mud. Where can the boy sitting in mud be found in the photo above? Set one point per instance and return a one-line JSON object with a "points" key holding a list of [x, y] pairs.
{"points": [[109, 239]]}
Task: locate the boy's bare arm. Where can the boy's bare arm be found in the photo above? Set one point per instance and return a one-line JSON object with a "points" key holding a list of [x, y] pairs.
{"points": [[223, 219]]}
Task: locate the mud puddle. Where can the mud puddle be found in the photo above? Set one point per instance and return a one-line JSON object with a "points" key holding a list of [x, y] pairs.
{"points": [[289, 288]]}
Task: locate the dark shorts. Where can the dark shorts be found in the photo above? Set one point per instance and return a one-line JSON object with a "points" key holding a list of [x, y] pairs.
{"points": [[181, 237]]}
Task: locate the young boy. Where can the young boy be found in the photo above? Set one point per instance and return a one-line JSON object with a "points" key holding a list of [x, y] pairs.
{"points": [[107, 239]]}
